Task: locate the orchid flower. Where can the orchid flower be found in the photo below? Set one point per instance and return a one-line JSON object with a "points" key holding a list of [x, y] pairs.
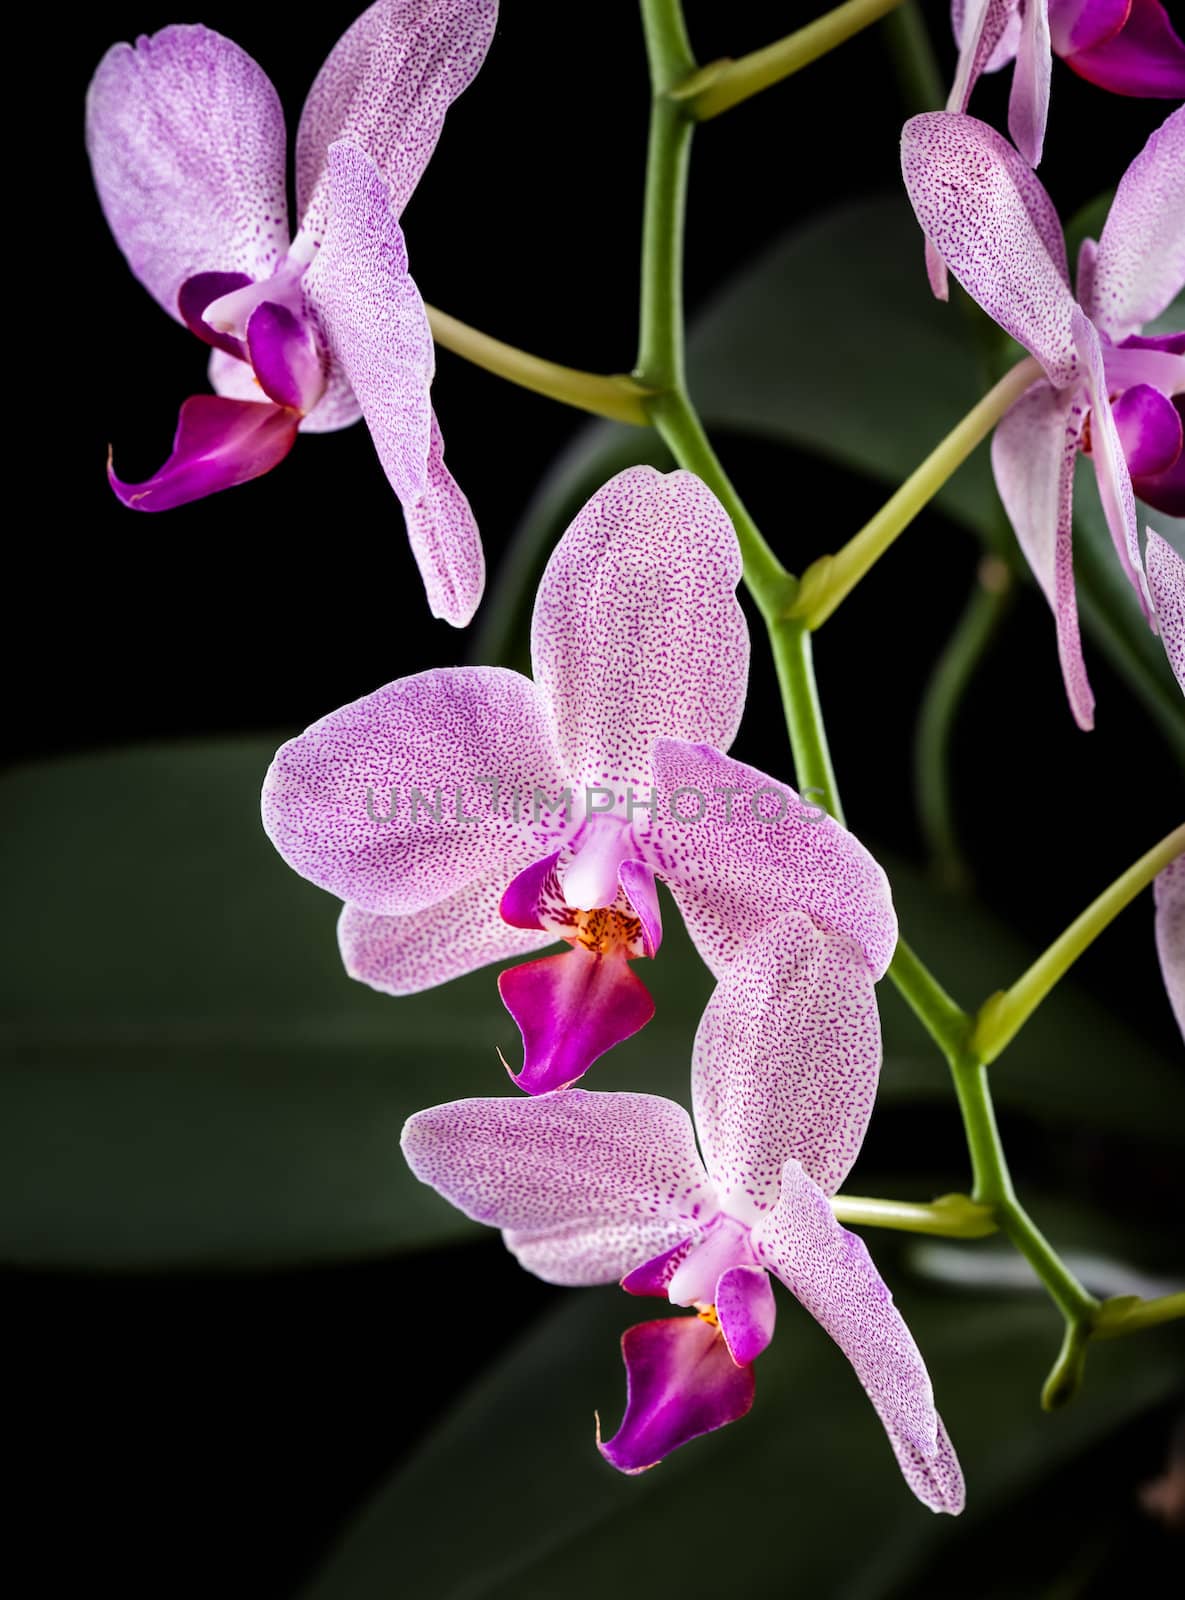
{"points": [[592, 1188], [187, 144], [471, 814], [1166, 580], [1109, 391], [1127, 46]]}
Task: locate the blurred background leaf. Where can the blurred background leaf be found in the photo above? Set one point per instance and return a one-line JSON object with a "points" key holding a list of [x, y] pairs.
{"points": [[800, 1497]]}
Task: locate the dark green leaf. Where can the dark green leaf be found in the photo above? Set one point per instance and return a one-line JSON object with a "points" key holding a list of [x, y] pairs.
{"points": [[509, 1500]]}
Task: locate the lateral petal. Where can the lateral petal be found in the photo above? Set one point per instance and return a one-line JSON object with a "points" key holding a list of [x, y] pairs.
{"points": [[585, 1186], [405, 797], [757, 852], [1140, 264]]}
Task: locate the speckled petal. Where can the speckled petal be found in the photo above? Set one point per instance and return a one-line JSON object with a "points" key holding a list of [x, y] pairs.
{"points": [[1034, 449], [186, 140], [570, 1009], [444, 539], [373, 320], [1166, 582], [1140, 264], [1169, 892], [785, 1064], [218, 444], [637, 631], [1028, 106], [746, 1309], [1146, 58], [585, 1186], [829, 1270], [386, 86], [996, 228], [329, 792], [1110, 467], [734, 875], [987, 33], [402, 955], [681, 1382]]}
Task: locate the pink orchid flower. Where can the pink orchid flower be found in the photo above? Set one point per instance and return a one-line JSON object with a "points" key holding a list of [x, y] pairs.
{"points": [[1166, 580], [593, 1188], [470, 814], [1108, 390], [1127, 46], [187, 145]]}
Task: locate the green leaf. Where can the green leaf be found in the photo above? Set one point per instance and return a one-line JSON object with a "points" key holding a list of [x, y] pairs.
{"points": [[803, 1496], [190, 1078]]}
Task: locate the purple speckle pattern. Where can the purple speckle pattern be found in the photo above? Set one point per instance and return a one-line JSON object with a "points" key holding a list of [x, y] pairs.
{"points": [[1166, 584], [405, 954], [637, 631], [1110, 467], [785, 1064], [187, 146], [1034, 449], [1140, 265], [734, 876], [443, 729], [995, 227], [584, 1186], [1169, 894], [442, 532], [386, 86], [373, 320], [829, 1270]]}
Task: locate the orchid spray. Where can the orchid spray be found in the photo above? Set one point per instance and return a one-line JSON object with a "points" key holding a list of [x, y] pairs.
{"points": [[473, 816]]}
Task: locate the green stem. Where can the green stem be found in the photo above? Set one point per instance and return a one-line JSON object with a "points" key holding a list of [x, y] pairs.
{"points": [[1004, 1014], [951, 1216], [992, 1186], [794, 663], [949, 680], [660, 368], [1128, 1314], [943, 1018], [827, 581], [617, 396], [914, 62], [723, 84]]}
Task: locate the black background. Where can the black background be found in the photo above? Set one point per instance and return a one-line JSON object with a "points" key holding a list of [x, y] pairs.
{"points": [[210, 1435]]}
